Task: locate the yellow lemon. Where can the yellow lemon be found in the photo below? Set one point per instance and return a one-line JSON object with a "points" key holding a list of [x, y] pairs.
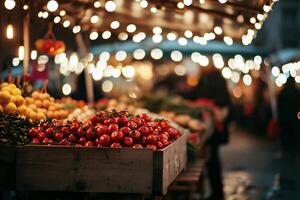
{"points": [[10, 108], [5, 97]]}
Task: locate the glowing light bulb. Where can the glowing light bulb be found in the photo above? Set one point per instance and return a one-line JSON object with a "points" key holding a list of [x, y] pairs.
{"points": [[9, 4], [95, 19], [10, 31], [52, 5], [110, 6], [114, 24], [66, 89], [21, 53]]}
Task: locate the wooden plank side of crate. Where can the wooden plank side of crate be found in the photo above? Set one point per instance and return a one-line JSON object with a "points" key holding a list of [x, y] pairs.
{"points": [[168, 164], [7, 167], [124, 170]]}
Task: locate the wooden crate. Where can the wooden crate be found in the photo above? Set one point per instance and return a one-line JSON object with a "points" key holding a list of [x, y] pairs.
{"points": [[107, 170], [7, 167]]}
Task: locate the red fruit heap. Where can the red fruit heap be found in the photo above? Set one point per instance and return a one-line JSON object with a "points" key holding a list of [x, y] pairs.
{"points": [[107, 129]]}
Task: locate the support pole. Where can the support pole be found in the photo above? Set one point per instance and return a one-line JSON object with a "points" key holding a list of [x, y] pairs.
{"points": [[26, 39], [88, 79], [273, 101]]}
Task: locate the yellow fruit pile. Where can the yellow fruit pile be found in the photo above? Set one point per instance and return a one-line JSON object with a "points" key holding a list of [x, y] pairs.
{"points": [[11, 100], [43, 103]]}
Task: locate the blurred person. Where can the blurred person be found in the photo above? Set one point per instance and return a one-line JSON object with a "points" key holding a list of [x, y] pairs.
{"points": [[213, 86], [289, 124]]}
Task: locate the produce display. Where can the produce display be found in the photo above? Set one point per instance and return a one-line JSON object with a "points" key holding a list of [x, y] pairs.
{"points": [[81, 114], [107, 129], [13, 129]]}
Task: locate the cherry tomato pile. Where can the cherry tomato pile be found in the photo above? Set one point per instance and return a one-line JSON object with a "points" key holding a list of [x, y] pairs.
{"points": [[107, 129]]}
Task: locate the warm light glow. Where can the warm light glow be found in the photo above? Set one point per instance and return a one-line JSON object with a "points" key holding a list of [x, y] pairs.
{"points": [[192, 80], [95, 19], [10, 31], [153, 9], [104, 56], [25, 7], [257, 26], [157, 38], [107, 86], [222, 1], [235, 77], [188, 34], [139, 54], [66, 23], [247, 80], [218, 30], [110, 6], [52, 5], [121, 55], [156, 54], [171, 36], [94, 35], [260, 17], [203, 61], [76, 29], [252, 20], [123, 36], [66, 89], [15, 62], [176, 56], [131, 28], [157, 30], [228, 40], [21, 53], [180, 70], [143, 3], [62, 13], [275, 71], [128, 71], [187, 2], [56, 19], [180, 5], [218, 61], [226, 72], [97, 74], [45, 15], [106, 35], [114, 24], [182, 41], [33, 55], [97, 4], [267, 8], [9, 4]]}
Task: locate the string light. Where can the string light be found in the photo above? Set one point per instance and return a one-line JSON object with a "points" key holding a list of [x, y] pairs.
{"points": [[131, 28], [114, 24], [139, 54], [228, 40], [156, 54], [123, 36], [188, 34], [21, 53], [176, 56], [260, 17], [222, 1], [257, 26], [153, 9], [110, 6], [66, 23], [218, 30], [10, 31], [182, 41], [121, 55], [157, 30], [76, 29], [252, 20], [9, 4], [33, 55], [95, 19], [157, 38], [267, 8], [66, 89], [143, 4], [187, 2], [180, 5], [56, 19], [97, 4], [52, 5], [62, 13], [171, 36], [25, 7], [15, 62], [107, 86], [106, 35], [94, 35], [45, 15]]}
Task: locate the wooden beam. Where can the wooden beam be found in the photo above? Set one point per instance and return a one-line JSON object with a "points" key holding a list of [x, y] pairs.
{"points": [[26, 39]]}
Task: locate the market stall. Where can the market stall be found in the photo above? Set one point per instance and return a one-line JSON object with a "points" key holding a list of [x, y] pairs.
{"points": [[133, 141]]}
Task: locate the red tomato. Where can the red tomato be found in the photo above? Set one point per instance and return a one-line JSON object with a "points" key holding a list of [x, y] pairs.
{"points": [[104, 140], [152, 139], [164, 124], [115, 120], [72, 138], [128, 142], [49, 132], [135, 135], [80, 132], [74, 126], [58, 136], [90, 134], [123, 120], [145, 117], [172, 133], [163, 136], [89, 144], [117, 136], [41, 136], [82, 140], [33, 133], [115, 145], [107, 122], [35, 141], [137, 146], [151, 146], [47, 141], [87, 124], [145, 130], [137, 120], [165, 142], [66, 131], [101, 129], [143, 141], [95, 119], [65, 142], [159, 145], [125, 130], [132, 125], [112, 128]]}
